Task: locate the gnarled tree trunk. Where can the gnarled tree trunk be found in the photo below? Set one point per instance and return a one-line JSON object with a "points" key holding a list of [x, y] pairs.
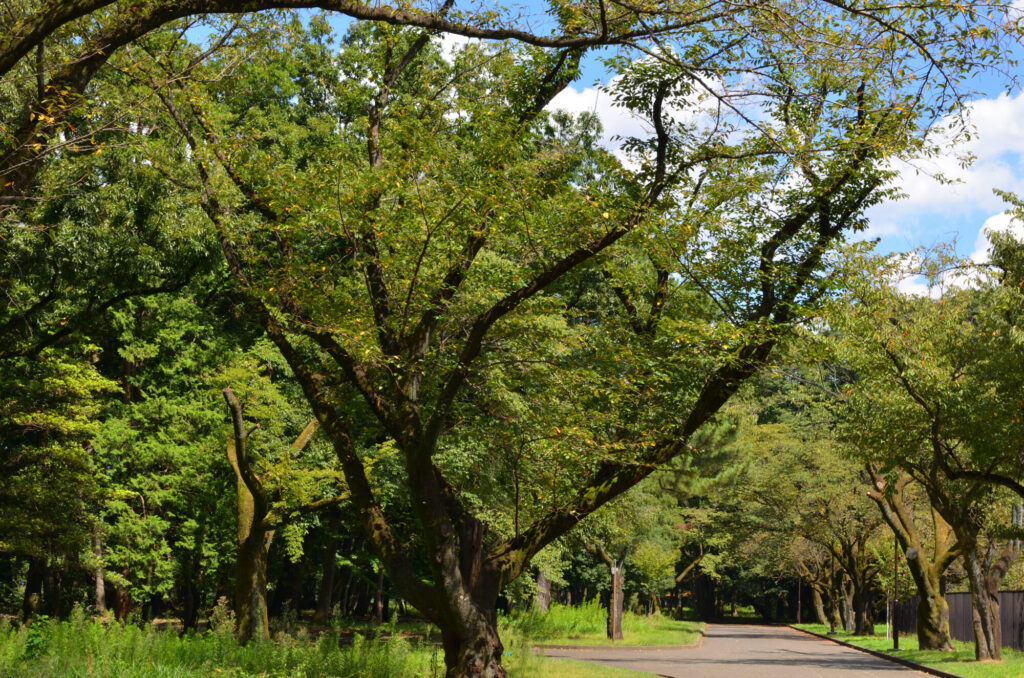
{"points": [[986, 633], [932, 610]]}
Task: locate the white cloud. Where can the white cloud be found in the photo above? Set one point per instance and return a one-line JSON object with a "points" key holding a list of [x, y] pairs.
{"points": [[617, 121], [997, 143], [451, 43], [997, 223]]}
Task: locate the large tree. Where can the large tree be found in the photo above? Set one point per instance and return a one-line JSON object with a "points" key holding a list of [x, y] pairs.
{"points": [[921, 406], [418, 232]]}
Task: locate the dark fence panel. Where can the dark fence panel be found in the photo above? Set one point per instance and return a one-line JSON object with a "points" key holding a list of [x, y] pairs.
{"points": [[961, 622], [1011, 617]]}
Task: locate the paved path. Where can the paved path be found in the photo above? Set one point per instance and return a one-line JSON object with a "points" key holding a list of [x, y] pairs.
{"points": [[734, 651]]}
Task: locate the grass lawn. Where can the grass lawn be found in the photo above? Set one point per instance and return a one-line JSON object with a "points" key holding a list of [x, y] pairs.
{"points": [[585, 625], [960, 662], [567, 668], [83, 648]]}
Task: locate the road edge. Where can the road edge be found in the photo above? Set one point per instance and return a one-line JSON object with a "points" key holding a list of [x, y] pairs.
{"points": [[702, 632], [924, 668]]}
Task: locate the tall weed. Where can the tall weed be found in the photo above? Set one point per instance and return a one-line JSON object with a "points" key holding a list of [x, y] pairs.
{"points": [[80, 647]]}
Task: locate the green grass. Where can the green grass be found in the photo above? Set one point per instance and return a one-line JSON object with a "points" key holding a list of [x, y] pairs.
{"points": [[567, 668], [960, 662], [80, 648], [585, 625]]}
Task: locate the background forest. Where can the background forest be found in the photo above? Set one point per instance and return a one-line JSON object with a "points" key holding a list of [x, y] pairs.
{"points": [[311, 328]]}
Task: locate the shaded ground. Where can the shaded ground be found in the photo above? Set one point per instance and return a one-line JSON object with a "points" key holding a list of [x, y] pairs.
{"points": [[734, 650]]}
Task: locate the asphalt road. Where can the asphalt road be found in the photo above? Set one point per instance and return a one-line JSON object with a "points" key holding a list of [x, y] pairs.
{"points": [[734, 651]]}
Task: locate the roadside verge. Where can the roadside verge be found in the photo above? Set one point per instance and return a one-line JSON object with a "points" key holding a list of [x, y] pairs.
{"points": [[924, 668]]}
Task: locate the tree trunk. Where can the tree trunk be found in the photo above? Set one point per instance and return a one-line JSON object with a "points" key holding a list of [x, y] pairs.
{"points": [[863, 624], [122, 600], [100, 593], [324, 599], [476, 651], [346, 608], [33, 588], [986, 646], [819, 606], [378, 599], [52, 589], [542, 601], [846, 614], [615, 601], [251, 618], [192, 592], [932, 610]]}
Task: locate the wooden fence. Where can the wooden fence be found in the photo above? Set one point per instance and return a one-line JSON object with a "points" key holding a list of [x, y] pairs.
{"points": [[961, 625]]}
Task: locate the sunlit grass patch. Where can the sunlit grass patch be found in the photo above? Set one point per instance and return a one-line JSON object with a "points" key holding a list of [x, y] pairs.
{"points": [[585, 625], [961, 661]]}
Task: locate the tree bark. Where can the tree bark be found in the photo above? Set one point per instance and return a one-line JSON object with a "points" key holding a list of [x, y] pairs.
{"points": [[615, 595], [986, 634], [192, 591], [325, 596], [846, 605], [542, 601], [378, 598], [122, 600], [863, 623], [819, 606], [932, 611], [985, 576], [100, 593], [33, 588], [251, 616], [615, 601], [474, 650]]}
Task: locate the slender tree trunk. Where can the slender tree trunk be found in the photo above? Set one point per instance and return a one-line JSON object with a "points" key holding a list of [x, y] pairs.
{"points": [[542, 601], [345, 604], [324, 599], [615, 601], [192, 592], [378, 599], [100, 592]]}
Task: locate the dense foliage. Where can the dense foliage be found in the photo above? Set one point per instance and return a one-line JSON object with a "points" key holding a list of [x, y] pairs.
{"points": [[334, 324]]}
